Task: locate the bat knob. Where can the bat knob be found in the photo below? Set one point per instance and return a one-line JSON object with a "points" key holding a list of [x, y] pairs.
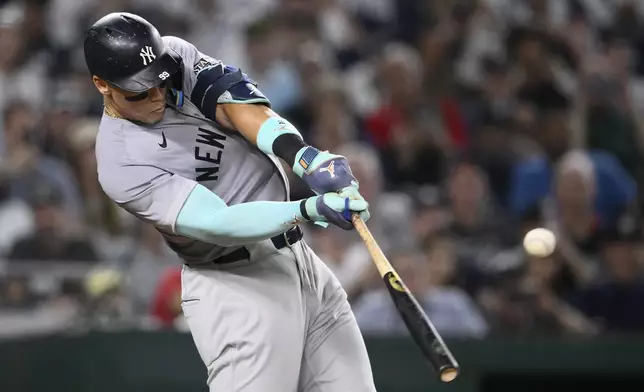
{"points": [[448, 374]]}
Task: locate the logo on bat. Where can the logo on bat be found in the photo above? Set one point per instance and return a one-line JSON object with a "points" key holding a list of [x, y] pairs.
{"points": [[330, 168], [395, 281]]}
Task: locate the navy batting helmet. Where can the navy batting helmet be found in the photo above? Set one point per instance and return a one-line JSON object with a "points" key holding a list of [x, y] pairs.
{"points": [[128, 52]]}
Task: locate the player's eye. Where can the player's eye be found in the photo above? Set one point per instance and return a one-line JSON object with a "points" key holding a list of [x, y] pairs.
{"points": [[137, 97], [143, 95]]}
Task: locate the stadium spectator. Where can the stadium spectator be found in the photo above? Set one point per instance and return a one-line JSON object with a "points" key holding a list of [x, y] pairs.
{"points": [[166, 302], [54, 237], [23, 61], [16, 218], [278, 77], [613, 189], [481, 119], [146, 268], [531, 301], [479, 226], [23, 165], [616, 294], [577, 215]]}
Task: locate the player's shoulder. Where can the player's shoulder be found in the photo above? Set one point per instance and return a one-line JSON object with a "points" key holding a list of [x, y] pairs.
{"points": [[190, 53], [110, 132], [124, 152], [176, 43], [116, 142]]}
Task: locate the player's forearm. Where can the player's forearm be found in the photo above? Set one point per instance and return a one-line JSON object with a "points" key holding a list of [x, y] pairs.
{"points": [[247, 119], [227, 95], [204, 216], [322, 171], [263, 127]]}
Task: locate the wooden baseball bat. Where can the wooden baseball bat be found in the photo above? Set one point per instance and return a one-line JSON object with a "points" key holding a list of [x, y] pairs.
{"points": [[420, 327]]}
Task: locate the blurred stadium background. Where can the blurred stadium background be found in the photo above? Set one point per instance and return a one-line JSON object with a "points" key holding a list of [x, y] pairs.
{"points": [[467, 122]]}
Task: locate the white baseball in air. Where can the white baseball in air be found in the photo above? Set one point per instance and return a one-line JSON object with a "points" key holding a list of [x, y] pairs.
{"points": [[539, 242]]}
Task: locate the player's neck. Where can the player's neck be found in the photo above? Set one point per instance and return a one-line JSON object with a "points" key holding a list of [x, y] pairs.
{"points": [[110, 110]]}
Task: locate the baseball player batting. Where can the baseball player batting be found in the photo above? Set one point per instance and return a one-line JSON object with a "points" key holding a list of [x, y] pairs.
{"points": [[190, 145]]}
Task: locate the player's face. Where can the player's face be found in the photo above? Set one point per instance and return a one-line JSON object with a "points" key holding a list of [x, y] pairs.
{"points": [[147, 107]]}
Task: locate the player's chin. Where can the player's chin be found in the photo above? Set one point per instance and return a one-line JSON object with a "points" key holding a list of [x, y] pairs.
{"points": [[155, 116]]}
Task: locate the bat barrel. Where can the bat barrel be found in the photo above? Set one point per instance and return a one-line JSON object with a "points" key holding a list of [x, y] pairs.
{"points": [[421, 329]]}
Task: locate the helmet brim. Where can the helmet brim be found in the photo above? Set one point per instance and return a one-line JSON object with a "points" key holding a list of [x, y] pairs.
{"points": [[158, 72]]}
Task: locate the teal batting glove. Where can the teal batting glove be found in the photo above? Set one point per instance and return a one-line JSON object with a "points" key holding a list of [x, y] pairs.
{"points": [[333, 208]]}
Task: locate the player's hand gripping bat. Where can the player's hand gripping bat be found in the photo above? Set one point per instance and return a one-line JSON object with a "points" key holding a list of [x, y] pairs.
{"points": [[420, 327]]}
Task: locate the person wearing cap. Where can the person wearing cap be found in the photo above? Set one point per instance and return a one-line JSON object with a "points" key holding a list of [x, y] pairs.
{"points": [[51, 239], [191, 146]]}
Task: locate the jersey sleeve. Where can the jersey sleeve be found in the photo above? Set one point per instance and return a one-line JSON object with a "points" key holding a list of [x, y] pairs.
{"points": [[148, 192], [194, 61], [209, 82]]}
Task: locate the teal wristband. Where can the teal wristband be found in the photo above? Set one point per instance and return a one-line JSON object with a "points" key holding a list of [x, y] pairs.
{"points": [[270, 130]]}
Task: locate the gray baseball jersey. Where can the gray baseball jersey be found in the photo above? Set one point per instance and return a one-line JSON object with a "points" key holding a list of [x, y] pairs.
{"points": [[278, 321], [151, 170]]}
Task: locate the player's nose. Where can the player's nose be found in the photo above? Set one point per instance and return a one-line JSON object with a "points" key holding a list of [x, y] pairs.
{"points": [[157, 93]]}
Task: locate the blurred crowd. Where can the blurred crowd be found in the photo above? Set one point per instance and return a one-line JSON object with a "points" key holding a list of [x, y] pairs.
{"points": [[467, 123]]}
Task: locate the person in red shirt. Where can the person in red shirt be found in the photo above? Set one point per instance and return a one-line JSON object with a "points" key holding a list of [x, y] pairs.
{"points": [[166, 303]]}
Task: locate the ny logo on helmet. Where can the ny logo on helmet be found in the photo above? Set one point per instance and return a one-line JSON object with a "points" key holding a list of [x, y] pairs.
{"points": [[147, 55]]}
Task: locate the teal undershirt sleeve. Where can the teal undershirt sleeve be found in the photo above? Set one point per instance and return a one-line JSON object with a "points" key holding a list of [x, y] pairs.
{"points": [[273, 128], [206, 217]]}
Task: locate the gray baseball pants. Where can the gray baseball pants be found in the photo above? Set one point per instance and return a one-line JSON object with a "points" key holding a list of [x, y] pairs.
{"points": [[277, 322]]}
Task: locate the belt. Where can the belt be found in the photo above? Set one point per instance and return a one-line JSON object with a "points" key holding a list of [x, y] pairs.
{"points": [[288, 238]]}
